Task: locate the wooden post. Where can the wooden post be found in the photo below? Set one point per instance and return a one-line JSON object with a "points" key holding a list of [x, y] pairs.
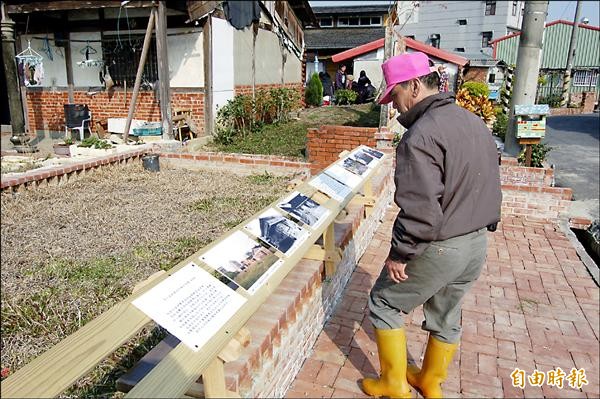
{"points": [[138, 76], [10, 72], [69, 62], [527, 142], [329, 245], [208, 97], [163, 71]]}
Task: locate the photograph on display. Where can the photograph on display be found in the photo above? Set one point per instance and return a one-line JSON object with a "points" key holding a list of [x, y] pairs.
{"points": [[331, 187], [241, 259], [301, 207], [354, 166], [372, 152], [278, 231], [343, 176], [362, 157]]}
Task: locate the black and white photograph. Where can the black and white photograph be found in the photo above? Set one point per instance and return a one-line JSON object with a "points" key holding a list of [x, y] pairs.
{"points": [[241, 259], [331, 187], [354, 166], [343, 176], [302, 208], [372, 152], [278, 231], [363, 157]]}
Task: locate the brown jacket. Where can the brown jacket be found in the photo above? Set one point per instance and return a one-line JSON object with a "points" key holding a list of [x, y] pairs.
{"points": [[447, 176]]}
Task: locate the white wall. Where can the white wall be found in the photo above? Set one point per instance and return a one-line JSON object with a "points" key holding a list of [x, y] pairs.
{"points": [[55, 73], [441, 17], [222, 62], [372, 68], [85, 76], [186, 60], [267, 60]]}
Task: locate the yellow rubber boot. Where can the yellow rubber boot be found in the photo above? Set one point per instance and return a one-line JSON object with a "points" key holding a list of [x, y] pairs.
{"points": [[429, 378], [391, 345]]}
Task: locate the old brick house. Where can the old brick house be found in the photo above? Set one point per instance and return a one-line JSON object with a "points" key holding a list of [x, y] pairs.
{"points": [[208, 59]]}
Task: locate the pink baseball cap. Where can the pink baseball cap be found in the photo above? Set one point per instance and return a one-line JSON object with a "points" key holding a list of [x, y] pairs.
{"points": [[402, 68]]}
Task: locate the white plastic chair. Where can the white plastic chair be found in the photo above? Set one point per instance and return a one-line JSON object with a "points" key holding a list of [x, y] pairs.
{"points": [[80, 122]]}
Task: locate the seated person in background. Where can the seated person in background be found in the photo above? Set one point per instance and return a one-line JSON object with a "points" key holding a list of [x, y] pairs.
{"points": [[350, 84], [364, 88], [327, 84]]}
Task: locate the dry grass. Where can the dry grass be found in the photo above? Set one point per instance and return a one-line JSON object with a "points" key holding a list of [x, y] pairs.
{"points": [[71, 252]]}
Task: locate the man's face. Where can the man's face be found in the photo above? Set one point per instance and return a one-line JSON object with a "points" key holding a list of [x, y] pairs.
{"points": [[402, 97]]}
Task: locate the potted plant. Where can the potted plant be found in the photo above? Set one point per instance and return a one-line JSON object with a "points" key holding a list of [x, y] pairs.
{"points": [[64, 148]]}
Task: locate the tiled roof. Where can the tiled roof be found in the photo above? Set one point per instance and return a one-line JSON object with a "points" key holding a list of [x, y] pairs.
{"points": [[351, 10], [341, 38]]}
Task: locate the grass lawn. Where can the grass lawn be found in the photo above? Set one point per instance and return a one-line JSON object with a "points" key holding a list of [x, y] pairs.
{"points": [[289, 139], [71, 252]]}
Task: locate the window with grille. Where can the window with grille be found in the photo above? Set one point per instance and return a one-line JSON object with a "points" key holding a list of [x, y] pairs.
{"points": [[462, 21], [122, 56], [485, 38], [459, 49], [490, 8], [585, 78]]}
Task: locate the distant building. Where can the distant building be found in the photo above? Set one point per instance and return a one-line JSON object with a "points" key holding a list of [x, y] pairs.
{"points": [[342, 28], [557, 35], [459, 26], [369, 57]]}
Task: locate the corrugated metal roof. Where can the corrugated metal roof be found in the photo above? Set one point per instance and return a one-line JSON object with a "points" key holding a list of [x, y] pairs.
{"points": [[556, 46], [341, 38], [351, 10]]}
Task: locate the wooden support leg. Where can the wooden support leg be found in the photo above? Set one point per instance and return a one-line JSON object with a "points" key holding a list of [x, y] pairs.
{"points": [[213, 378], [369, 199], [329, 246]]}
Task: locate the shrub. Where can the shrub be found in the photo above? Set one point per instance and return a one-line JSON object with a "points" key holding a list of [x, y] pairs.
{"points": [[476, 89], [345, 97], [244, 115], [538, 155], [500, 125], [553, 100], [479, 105], [314, 91]]}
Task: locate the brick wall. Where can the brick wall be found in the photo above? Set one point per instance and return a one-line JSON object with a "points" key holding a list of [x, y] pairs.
{"points": [[530, 192], [323, 145], [241, 163], [514, 174], [476, 74], [45, 107], [57, 175], [286, 326], [587, 100]]}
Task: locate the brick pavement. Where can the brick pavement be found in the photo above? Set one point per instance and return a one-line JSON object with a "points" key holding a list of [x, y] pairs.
{"points": [[534, 307]]}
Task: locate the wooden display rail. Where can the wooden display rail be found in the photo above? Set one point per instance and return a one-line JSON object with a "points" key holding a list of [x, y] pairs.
{"points": [[175, 376]]}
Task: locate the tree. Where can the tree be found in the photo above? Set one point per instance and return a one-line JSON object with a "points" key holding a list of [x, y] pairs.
{"points": [[314, 91]]}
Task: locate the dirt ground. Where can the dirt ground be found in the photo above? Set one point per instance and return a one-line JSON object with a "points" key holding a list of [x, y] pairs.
{"points": [[71, 252]]}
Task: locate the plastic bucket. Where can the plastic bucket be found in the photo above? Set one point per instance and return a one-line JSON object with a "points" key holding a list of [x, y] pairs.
{"points": [[150, 162]]}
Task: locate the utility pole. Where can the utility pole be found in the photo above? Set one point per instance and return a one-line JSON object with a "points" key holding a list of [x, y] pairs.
{"points": [[528, 67], [570, 57]]}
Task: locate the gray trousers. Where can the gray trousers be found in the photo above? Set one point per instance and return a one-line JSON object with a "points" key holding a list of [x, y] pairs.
{"points": [[437, 279]]}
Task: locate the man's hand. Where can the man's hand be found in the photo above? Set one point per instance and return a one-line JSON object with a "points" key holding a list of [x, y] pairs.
{"points": [[396, 270]]}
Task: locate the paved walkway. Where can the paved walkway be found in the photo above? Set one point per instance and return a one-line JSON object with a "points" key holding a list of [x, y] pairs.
{"points": [[534, 307]]}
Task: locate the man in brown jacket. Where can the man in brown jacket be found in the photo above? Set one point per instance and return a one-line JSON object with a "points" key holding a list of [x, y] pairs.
{"points": [[448, 190]]}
